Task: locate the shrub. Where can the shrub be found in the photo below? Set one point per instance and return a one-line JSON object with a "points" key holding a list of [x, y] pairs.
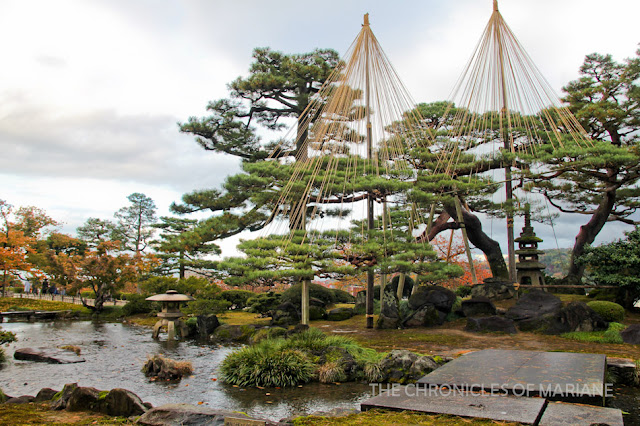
{"points": [[237, 298], [609, 311], [198, 287], [457, 305], [341, 296], [137, 305], [603, 294], [294, 294], [408, 285], [463, 291], [611, 335], [206, 307], [264, 303]]}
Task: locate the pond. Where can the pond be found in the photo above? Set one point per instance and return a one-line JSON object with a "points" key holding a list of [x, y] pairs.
{"points": [[115, 354]]}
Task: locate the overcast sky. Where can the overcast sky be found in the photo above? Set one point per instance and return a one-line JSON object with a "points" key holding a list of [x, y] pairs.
{"points": [[91, 91]]}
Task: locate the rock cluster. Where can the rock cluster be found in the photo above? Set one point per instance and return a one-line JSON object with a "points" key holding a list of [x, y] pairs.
{"points": [[534, 311]]}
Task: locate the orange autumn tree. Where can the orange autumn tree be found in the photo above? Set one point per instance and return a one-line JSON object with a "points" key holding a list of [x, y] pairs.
{"points": [[15, 247], [105, 271], [451, 249]]}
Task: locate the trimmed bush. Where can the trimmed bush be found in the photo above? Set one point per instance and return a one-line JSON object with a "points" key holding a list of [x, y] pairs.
{"points": [[264, 303], [294, 294], [603, 294], [408, 285], [341, 296], [137, 305], [463, 291], [237, 298], [609, 311], [206, 307]]}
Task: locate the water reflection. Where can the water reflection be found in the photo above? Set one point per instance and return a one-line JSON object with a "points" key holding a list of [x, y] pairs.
{"points": [[115, 354]]}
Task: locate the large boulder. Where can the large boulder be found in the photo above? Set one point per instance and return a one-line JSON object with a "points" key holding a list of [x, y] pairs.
{"points": [[631, 334], [576, 316], [233, 333], [478, 307], [361, 301], [389, 317], [122, 403], [441, 298], [403, 366], [535, 310], [340, 314], [24, 399], [494, 289], [206, 324], [45, 394], [83, 399], [491, 324], [48, 355], [425, 316], [186, 414], [61, 398]]}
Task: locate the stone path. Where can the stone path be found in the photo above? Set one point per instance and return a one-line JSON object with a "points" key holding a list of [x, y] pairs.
{"points": [[507, 385]]}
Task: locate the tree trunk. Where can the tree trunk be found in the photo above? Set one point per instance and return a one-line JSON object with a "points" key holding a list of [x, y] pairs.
{"points": [[477, 237], [588, 233], [181, 265]]}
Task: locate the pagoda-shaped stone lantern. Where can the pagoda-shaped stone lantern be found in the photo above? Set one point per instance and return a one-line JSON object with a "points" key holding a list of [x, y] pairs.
{"points": [[529, 267], [170, 314]]}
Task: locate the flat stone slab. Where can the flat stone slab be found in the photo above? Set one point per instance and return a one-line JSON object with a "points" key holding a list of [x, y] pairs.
{"points": [[562, 376], [465, 404], [560, 413], [49, 355]]}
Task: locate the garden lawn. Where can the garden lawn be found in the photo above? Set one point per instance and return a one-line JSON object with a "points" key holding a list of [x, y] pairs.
{"points": [[11, 303]]}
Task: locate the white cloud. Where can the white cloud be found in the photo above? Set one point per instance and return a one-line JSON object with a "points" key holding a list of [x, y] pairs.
{"points": [[90, 91]]}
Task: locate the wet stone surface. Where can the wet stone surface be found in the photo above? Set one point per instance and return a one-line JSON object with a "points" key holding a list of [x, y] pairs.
{"points": [[563, 376], [467, 404]]}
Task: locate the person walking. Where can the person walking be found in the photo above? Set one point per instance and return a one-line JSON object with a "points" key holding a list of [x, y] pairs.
{"points": [[45, 287]]}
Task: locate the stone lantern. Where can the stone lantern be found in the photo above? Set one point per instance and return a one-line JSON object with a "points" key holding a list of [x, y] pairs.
{"points": [[530, 269], [170, 314]]}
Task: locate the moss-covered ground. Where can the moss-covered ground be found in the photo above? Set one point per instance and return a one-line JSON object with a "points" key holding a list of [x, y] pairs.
{"points": [[39, 414], [391, 418]]}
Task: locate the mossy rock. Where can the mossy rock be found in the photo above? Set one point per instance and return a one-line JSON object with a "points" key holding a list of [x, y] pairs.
{"points": [[609, 311], [233, 333], [340, 314], [268, 333]]}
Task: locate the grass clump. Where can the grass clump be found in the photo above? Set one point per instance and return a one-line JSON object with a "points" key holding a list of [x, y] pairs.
{"points": [[611, 335], [277, 361], [609, 311], [162, 368], [73, 348], [267, 364]]}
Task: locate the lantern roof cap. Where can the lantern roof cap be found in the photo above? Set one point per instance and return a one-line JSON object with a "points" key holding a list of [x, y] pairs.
{"points": [[170, 296]]}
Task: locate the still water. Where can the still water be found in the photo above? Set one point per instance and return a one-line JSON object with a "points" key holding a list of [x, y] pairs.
{"points": [[115, 354]]}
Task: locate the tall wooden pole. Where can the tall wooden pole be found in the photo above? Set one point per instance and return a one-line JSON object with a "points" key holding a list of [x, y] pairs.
{"points": [[507, 146], [370, 277]]}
